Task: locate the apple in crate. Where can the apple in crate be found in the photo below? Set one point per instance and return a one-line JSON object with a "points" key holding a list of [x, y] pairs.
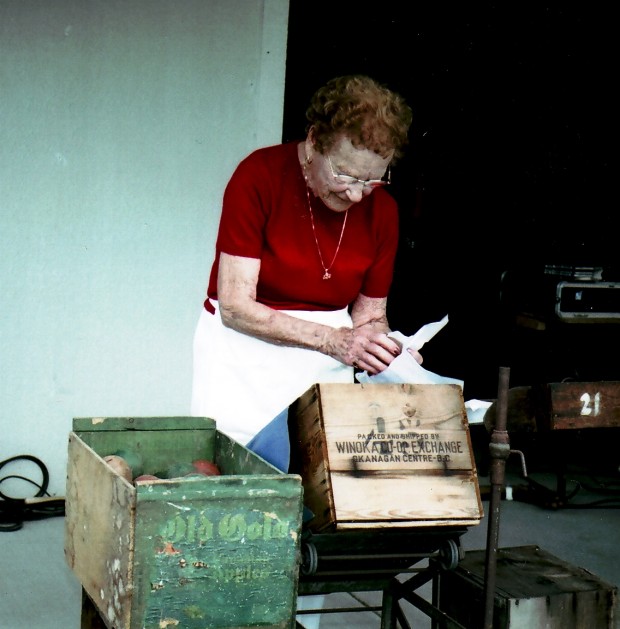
{"points": [[146, 478], [119, 465], [206, 467]]}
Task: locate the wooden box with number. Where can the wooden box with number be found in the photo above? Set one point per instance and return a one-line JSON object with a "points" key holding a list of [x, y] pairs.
{"points": [[576, 405], [384, 455]]}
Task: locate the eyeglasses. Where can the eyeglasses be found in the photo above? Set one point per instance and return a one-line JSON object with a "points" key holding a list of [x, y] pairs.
{"points": [[349, 180]]}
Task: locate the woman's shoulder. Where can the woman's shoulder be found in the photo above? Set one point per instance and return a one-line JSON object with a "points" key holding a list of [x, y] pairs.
{"points": [[265, 168], [267, 165], [272, 154]]}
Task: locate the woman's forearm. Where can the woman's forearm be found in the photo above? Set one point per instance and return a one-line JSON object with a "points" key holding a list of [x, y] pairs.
{"points": [[275, 327], [364, 344], [240, 310], [370, 311]]}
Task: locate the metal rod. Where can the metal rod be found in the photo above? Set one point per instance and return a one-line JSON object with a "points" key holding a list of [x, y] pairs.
{"points": [[379, 556], [338, 610], [386, 571], [499, 450]]}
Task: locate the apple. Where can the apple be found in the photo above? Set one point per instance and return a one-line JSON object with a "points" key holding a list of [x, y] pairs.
{"points": [[206, 467], [119, 465], [146, 477]]}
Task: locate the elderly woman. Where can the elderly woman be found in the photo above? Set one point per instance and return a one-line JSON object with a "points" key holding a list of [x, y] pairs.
{"points": [[303, 264]]}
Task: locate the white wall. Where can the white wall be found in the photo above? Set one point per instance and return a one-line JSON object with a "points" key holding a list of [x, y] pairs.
{"points": [[120, 123]]}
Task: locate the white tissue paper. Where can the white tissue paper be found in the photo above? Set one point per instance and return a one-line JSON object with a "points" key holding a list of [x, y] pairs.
{"points": [[405, 368], [476, 410]]}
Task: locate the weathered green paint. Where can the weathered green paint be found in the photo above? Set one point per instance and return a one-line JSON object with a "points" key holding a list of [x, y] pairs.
{"points": [[221, 557], [91, 424], [208, 552]]}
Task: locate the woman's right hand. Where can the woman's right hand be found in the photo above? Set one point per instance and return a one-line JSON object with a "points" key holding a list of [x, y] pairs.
{"points": [[363, 347]]}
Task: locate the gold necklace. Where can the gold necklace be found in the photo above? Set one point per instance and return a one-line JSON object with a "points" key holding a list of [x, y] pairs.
{"points": [[326, 269]]}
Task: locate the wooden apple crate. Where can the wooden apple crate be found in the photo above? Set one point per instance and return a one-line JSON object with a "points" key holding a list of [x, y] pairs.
{"points": [[532, 589], [384, 455], [194, 552]]}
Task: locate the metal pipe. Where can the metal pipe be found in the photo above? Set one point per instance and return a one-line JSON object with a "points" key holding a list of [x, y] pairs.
{"points": [[378, 556], [499, 448]]}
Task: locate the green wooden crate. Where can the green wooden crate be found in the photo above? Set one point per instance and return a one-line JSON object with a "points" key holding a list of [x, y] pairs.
{"points": [[196, 552]]}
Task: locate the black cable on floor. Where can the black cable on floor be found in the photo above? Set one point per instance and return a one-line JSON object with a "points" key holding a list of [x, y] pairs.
{"points": [[15, 511]]}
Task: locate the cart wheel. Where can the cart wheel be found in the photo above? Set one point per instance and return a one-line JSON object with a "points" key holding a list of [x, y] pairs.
{"points": [[309, 559], [449, 555]]}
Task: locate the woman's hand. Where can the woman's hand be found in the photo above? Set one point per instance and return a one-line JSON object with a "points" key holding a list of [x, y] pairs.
{"points": [[362, 347], [367, 346], [366, 349]]}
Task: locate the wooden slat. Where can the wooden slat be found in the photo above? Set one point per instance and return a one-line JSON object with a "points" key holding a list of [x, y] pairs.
{"points": [[142, 423], [417, 498], [432, 450], [100, 535]]}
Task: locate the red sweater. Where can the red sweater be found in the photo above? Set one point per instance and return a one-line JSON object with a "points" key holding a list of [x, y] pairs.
{"points": [[265, 215]]}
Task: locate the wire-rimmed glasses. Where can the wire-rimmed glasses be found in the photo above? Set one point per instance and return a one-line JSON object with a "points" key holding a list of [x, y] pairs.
{"points": [[349, 180]]}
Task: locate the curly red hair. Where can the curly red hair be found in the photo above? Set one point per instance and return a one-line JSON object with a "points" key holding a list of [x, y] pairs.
{"points": [[368, 113]]}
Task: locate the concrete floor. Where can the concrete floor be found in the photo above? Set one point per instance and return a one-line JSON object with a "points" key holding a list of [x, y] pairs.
{"points": [[38, 590]]}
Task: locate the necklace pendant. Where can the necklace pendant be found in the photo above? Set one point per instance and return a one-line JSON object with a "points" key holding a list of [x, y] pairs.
{"points": [[326, 275]]}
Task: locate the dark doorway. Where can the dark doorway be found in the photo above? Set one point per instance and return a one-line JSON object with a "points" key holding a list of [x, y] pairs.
{"points": [[509, 165]]}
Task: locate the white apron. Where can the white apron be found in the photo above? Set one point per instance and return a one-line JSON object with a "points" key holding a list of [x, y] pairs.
{"points": [[243, 383]]}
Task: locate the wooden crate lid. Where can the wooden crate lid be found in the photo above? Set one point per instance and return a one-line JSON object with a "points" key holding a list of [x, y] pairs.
{"points": [[84, 424]]}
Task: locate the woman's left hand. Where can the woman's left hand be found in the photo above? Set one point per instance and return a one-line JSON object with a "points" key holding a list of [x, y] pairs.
{"points": [[370, 348], [374, 351]]}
